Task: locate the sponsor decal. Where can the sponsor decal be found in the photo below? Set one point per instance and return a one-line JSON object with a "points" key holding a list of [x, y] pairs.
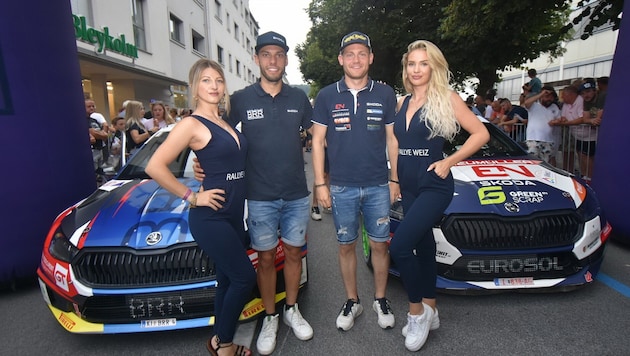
{"points": [[501, 171], [235, 175], [61, 277], [514, 265], [512, 207], [293, 111], [255, 114], [253, 310], [341, 121], [66, 322], [374, 104], [491, 195], [374, 118], [374, 111], [588, 277], [417, 152], [340, 106], [506, 182], [46, 265], [528, 197], [494, 162]]}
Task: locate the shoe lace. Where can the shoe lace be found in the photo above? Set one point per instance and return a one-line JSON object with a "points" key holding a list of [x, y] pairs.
{"points": [[347, 308], [384, 305], [413, 325], [267, 325], [296, 317]]}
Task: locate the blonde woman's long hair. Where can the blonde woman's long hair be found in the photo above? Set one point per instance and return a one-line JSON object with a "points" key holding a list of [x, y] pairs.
{"points": [[194, 76], [438, 110], [133, 114]]}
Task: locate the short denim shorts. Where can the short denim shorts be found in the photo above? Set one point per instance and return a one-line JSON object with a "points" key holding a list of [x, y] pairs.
{"points": [[267, 219], [350, 203]]}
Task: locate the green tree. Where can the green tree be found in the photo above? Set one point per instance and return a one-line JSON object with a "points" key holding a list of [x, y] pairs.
{"points": [[599, 14], [478, 37]]}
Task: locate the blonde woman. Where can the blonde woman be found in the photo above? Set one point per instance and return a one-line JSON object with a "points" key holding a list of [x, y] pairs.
{"points": [[429, 115], [161, 118], [216, 214], [137, 133]]}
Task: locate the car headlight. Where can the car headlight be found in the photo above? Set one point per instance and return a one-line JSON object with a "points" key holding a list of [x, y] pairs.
{"points": [[61, 248]]}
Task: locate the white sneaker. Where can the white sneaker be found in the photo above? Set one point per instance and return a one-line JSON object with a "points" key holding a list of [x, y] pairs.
{"points": [[266, 342], [384, 312], [301, 328], [315, 214], [435, 323], [348, 313], [418, 329]]}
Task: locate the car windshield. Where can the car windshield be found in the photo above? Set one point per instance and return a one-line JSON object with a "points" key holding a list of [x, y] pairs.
{"points": [[180, 167], [499, 145]]}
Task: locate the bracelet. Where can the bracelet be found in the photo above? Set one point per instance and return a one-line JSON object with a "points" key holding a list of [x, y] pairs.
{"points": [[394, 181], [187, 194], [193, 201], [320, 185]]}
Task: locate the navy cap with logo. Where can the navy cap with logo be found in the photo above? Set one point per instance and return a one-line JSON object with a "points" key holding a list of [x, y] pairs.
{"points": [[271, 38], [355, 37], [588, 84]]}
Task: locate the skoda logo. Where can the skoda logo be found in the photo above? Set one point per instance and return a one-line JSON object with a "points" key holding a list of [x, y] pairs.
{"points": [[153, 238], [512, 207]]}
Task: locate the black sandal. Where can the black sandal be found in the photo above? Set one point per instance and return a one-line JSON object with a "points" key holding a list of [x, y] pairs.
{"points": [[240, 349]]}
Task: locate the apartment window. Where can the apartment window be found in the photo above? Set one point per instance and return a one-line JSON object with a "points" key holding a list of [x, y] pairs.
{"points": [[137, 17], [220, 55], [249, 46], [230, 64], [83, 8], [227, 22], [218, 10], [236, 32], [198, 42], [238, 68], [176, 25]]}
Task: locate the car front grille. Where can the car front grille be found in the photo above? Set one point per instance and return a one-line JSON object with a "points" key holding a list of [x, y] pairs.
{"points": [[492, 232], [129, 268]]}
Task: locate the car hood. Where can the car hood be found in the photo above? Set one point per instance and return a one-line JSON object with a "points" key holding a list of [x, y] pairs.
{"points": [[509, 187], [132, 213]]}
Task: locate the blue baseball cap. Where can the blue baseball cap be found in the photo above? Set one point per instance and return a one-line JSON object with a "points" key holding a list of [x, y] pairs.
{"points": [[355, 37], [271, 38]]}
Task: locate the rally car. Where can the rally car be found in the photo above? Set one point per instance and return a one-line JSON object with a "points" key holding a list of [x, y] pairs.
{"points": [[515, 223], [123, 259]]}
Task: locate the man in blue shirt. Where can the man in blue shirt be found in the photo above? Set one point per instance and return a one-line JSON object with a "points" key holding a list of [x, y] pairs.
{"points": [[354, 117]]}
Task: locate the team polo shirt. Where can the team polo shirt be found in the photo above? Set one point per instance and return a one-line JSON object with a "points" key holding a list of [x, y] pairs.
{"points": [[275, 165], [355, 133]]}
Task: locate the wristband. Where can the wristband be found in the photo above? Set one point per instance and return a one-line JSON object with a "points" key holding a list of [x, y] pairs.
{"points": [[320, 185], [187, 194], [193, 201], [394, 181]]}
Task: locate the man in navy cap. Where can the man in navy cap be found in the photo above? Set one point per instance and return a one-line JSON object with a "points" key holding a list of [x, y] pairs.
{"points": [[355, 118], [271, 114]]}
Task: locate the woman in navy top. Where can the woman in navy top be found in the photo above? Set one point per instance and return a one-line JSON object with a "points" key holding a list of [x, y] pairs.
{"points": [[430, 115], [216, 214]]}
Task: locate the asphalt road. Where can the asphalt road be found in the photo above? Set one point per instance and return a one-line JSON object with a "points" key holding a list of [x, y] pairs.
{"points": [[590, 321]]}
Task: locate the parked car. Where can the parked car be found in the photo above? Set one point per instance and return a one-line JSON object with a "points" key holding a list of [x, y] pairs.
{"points": [[123, 259], [514, 223]]}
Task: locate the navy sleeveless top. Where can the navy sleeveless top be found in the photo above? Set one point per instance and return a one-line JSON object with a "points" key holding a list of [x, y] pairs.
{"points": [[223, 162], [416, 152]]}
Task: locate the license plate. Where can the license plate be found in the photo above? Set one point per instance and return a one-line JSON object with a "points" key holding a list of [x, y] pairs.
{"points": [[524, 281], [159, 323]]}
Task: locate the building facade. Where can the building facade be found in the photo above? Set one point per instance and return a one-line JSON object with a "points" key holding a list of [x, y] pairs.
{"points": [[143, 49], [590, 58]]}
